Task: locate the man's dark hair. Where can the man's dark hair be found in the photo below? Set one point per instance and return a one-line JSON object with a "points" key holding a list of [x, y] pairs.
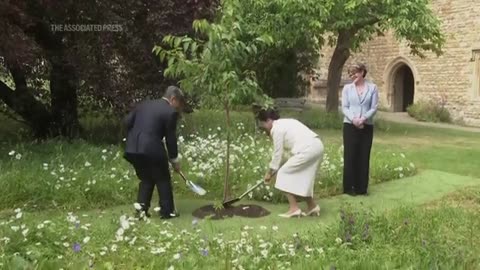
{"points": [[265, 114]]}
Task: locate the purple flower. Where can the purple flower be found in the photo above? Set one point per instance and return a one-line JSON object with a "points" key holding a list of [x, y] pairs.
{"points": [[204, 252], [76, 247]]}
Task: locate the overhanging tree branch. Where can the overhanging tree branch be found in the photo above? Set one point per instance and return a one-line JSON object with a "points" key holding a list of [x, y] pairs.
{"points": [[6, 94]]}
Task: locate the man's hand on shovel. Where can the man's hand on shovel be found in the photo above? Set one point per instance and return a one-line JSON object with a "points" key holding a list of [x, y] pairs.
{"points": [[176, 167]]}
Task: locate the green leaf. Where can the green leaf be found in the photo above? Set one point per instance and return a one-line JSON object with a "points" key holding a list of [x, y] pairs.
{"points": [[185, 46], [171, 61], [163, 54], [254, 48], [177, 41], [194, 46]]}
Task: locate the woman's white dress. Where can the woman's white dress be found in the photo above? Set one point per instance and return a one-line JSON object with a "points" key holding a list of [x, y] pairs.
{"points": [[297, 175]]}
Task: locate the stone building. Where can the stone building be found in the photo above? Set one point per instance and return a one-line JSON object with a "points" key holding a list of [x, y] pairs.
{"points": [[452, 79]]}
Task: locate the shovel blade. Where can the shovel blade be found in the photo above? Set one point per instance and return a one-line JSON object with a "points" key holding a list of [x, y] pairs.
{"points": [[195, 188], [230, 202]]}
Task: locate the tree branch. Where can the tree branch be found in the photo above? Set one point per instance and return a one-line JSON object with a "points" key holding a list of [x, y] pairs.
{"points": [[6, 94], [358, 26]]}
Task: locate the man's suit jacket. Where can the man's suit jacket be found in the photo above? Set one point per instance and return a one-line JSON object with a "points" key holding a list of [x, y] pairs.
{"points": [[147, 125]]}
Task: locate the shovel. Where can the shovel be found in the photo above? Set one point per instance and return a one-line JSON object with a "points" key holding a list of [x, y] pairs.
{"points": [[232, 201], [193, 187]]}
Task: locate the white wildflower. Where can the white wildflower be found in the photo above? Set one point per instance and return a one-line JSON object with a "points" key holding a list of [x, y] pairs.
{"points": [[124, 223]]}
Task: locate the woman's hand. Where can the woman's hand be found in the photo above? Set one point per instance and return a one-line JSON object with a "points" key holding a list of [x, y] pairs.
{"points": [[268, 178], [356, 122], [361, 122]]}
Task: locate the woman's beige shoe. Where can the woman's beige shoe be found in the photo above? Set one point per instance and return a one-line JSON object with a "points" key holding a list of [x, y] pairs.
{"points": [[297, 213], [314, 212]]}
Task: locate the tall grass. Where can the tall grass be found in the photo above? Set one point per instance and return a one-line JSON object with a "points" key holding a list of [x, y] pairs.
{"points": [[442, 237]]}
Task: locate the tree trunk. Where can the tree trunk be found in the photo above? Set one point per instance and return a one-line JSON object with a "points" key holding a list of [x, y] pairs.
{"points": [[63, 82], [335, 68], [226, 186], [63, 88]]}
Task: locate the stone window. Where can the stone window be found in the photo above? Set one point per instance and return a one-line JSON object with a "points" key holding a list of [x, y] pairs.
{"points": [[476, 72]]}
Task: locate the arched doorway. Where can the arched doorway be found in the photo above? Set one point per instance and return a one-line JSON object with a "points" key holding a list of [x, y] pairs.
{"points": [[403, 84]]}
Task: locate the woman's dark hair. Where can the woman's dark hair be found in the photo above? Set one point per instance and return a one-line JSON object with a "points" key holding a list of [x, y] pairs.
{"points": [[265, 114]]}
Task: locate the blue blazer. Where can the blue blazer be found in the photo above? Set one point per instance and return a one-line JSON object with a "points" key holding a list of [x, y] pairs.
{"points": [[354, 105]]}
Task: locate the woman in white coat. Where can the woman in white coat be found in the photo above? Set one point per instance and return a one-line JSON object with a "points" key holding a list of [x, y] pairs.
{"points": [[296, 177]]}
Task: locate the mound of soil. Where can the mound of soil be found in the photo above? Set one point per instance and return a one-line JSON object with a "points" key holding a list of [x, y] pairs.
{"points": [[243, 210]]}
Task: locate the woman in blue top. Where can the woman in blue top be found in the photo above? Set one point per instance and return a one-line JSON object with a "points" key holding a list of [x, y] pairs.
{"points": [[359, 105]]}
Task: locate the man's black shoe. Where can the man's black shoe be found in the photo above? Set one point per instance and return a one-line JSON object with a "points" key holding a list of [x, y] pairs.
{"points": [[169, 216]]}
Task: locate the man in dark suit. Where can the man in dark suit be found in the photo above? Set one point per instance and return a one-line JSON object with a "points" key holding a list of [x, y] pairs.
{"points": [[148, 125]]}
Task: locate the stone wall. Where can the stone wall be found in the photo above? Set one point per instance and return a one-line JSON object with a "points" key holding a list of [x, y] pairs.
{"points": [[452, 79]]}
